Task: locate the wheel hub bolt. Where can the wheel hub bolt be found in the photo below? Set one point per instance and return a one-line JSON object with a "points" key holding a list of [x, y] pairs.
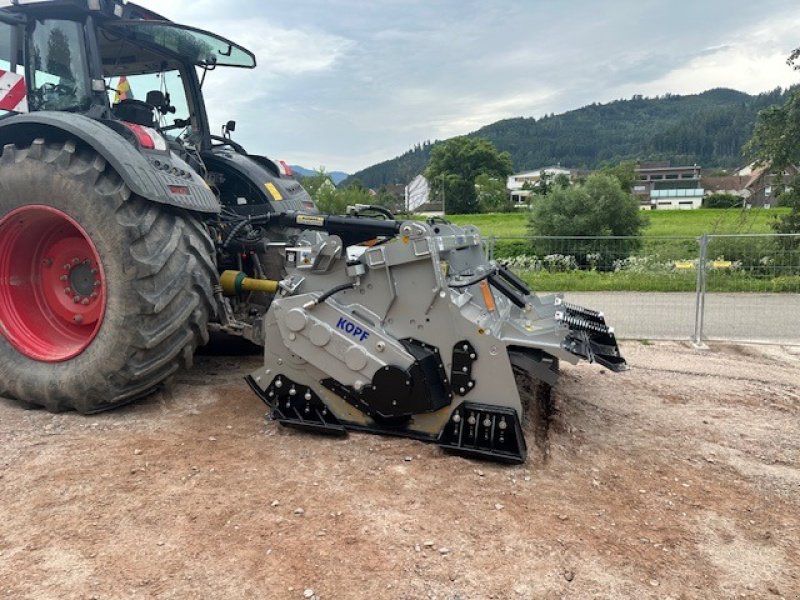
{"points": [[68, 291], [75, 261], [66, 267], [85, 301], [76, 299], [94, 294], [78, 319], [63, 278]]}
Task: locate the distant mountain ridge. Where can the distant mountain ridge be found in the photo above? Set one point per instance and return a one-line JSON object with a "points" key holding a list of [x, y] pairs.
{"points": [[336, 176], [708, 129]]}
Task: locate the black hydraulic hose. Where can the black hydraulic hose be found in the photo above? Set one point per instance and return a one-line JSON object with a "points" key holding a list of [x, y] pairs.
{"points": [[332, 291], [236, 229], [363, 208], [458, 286]]}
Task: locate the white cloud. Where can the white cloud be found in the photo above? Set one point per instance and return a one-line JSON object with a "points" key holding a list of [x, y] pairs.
{"points": [[349, 83]]}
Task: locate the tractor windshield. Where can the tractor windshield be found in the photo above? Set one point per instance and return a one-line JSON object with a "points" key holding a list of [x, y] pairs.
{"points": [[190, 45], [57, 66]]}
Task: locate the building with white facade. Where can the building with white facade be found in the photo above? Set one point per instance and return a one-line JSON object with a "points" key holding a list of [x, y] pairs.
{"points": [[660, 186], [521, 185]]}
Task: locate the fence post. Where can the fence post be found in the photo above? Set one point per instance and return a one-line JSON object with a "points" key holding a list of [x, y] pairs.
{"points": [[700, 302], [490, 248]]}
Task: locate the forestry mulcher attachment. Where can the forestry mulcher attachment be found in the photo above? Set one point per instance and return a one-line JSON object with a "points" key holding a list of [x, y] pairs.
{"points": [[417, 335], [128, 232]]}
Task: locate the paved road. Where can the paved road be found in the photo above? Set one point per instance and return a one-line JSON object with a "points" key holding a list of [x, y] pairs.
{"points": [[657, 315]]}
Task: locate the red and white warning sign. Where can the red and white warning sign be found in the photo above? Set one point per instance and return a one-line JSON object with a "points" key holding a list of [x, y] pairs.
{"points": [[12, 92]]}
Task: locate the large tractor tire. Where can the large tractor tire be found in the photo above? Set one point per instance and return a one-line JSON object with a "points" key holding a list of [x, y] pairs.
{"points": [[103, 295]]}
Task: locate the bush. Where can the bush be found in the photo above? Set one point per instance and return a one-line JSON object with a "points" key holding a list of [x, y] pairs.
{"points": [[722, 200], [598, 207]]}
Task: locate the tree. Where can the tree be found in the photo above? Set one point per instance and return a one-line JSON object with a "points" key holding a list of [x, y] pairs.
{"points": [[776, 137], [387, 199], [328, 199], [562, 180], [492, 194], [776, 142], [598, 207], [457, 163], [313, 183], [625, 172]]}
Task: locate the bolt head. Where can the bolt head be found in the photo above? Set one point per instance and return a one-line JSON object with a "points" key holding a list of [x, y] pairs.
{"points": [[77, 319], [75, 260], [76, 299], [85, 301], [63, 278], [68, 291]]}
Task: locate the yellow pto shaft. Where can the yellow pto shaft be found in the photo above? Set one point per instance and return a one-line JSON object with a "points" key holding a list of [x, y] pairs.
{"points": [[235, 282]]}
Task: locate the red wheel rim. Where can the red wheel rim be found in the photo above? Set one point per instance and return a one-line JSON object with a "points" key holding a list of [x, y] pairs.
{"points": [[52, 285]]}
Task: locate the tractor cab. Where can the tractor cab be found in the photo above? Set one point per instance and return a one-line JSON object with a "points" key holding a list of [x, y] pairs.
{"points": [[112, 60], [142, 76]]}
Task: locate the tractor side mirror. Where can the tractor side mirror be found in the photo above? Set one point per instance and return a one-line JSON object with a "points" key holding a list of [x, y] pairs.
{"points": [[227, 128]]}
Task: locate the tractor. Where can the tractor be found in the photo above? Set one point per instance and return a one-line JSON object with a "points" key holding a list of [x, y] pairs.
{"points": [[129, 233]]}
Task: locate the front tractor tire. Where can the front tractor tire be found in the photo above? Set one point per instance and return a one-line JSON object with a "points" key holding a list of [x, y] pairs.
{"points": [[103, 294]]}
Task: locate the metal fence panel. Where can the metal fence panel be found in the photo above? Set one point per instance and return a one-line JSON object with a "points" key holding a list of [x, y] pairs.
{"points": [[752, 288], [716, 287]]}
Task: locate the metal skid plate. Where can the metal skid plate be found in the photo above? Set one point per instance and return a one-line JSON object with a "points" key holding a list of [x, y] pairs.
{"points": [[485, 431], [297, 406]]}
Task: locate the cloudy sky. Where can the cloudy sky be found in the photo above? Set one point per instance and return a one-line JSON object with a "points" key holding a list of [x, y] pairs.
{"points": [[347, 83]]}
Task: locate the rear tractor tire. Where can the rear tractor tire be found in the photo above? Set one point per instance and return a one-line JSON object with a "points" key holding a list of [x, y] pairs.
{"points": [[103, 294]]}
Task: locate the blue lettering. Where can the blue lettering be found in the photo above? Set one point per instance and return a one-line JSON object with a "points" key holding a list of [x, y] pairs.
{"points": [[352, 329]]}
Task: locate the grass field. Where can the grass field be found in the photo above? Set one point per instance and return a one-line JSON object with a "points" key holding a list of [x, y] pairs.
{"points": [[662, 223], [660, 263]]}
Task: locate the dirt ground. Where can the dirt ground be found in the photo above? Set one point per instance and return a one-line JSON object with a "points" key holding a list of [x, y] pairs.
{"points": [[677, 479]]}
